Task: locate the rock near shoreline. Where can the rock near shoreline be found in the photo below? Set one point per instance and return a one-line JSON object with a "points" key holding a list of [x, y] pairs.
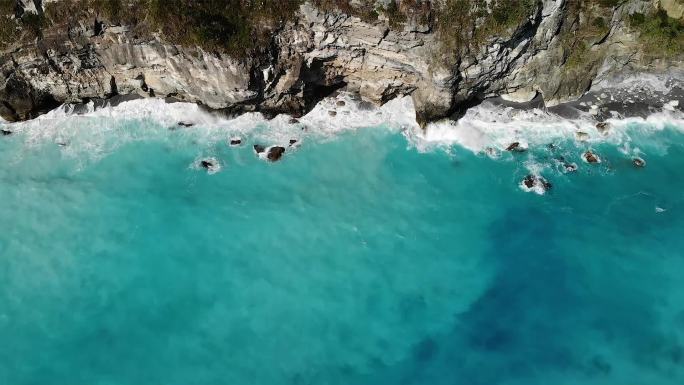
{"points": [[317, 53]]}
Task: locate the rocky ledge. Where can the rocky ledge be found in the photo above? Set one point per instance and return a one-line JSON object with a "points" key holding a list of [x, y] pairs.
{"points": [[320, 51]]}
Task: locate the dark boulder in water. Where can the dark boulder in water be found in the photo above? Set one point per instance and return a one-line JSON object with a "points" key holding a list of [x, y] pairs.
{"points": [[529, 181], [638, 162], [275, 153], [537, 183], [341, 103], [210, 164], [515, 147], [258, 149], [332, 113], [5, 132], [293, 141], [185, 124], [590, 157], [235, 141]]}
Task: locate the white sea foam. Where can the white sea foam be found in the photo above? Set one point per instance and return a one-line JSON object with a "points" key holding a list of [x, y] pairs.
{"points": [[487, 127], [398, 113], [94, 132], [493, 126]]}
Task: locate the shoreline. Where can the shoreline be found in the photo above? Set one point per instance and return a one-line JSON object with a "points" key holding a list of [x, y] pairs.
{"points": [[636, 97], [628, 95], [544, 141]]}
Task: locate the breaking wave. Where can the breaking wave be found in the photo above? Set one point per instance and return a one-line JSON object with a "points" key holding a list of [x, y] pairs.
{"points": [[89, 133]]}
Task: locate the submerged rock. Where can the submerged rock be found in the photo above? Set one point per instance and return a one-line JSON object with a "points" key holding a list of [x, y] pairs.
{"points": [[536, 183], [516, 147], [292, 142], [638, 162], [603, 128], [5, 132], [293, 121], [235, 141], [275, 153], [581, 136], [341, 103], [570, 167], [258, 149], [185, 124], [492, 152], [210, 164], [590, 157]]}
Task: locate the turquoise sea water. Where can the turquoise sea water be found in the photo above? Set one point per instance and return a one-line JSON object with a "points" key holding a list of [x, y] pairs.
{"points": [[354, 260]]}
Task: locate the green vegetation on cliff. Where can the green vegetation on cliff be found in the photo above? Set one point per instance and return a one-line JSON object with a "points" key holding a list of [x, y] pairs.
{"points": [[661, 35], [234, 26], [241, 27], [588, 23], [467, 24], [8, 27], [14, 27]]}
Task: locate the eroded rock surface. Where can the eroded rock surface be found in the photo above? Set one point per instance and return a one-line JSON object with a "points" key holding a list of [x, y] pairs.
{"points": [[316, 54]]}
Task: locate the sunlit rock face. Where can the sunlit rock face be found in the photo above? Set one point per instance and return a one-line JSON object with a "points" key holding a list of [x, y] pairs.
{"points": [[321, 51]]}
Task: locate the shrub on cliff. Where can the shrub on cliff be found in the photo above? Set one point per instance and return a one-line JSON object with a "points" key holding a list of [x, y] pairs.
{"points": [[467, 24], [234, 26], [8, 25], [661, 34]]}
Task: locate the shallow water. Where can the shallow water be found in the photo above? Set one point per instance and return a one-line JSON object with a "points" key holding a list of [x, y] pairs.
{"points": [[356, 259]]}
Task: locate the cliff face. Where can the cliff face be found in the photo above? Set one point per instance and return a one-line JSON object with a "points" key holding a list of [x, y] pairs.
{"points": [[320, 51]]}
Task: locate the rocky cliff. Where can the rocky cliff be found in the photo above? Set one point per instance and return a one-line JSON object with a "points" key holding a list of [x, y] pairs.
{"points": [[558, 49]]}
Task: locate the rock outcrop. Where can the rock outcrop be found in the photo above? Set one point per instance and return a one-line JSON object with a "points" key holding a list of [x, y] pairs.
{"points": [[317, 53]]}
